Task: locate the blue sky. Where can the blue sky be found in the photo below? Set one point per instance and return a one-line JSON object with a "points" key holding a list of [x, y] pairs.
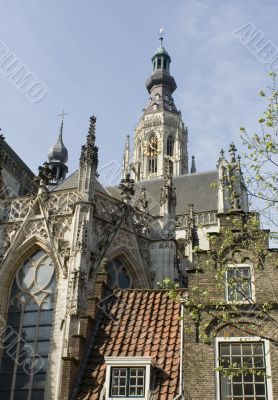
{"points": [[94, 57]]}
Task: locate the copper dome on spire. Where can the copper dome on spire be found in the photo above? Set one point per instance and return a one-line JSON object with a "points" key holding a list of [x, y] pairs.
{"points": [[58, 152]]}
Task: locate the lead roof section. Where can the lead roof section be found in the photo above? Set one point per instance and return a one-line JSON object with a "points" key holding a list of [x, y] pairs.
{"points": [[142, 323], [198, 188]]}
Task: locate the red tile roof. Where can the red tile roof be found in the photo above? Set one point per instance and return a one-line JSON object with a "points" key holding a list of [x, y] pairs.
{"points": [[136, 323]]}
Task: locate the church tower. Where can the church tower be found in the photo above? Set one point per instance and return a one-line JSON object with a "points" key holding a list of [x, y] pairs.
{"points": [[160, 135]]}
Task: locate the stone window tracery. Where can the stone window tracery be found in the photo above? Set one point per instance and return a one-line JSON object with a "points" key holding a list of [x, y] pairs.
{"points": [[27, 334], [118, 275]]}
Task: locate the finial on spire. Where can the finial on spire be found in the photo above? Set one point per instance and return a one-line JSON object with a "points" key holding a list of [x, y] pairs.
{"points": [[221, 157], [193, 165], [161, 35], [62, 116], [232, 151], [91, 137], [89, 152]]}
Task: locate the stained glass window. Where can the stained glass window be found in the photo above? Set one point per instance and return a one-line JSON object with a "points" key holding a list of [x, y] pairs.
{"points": [[27, 334]]}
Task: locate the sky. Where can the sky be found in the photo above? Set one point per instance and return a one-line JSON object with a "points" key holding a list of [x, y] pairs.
{"points": [[94, 56]]}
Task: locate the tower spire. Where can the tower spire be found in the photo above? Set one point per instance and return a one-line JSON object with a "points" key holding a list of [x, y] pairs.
{"points": [[161, 84], [58, 156], [169, 138]]}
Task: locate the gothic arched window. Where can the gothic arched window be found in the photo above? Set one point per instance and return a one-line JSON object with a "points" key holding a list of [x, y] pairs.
{"points": [[170, 145], [118, 275], [152, 154], [26, 338]]}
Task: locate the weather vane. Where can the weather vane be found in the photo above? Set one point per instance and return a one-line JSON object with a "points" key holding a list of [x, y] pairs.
{"points": [[62, 115], [161, 34]]}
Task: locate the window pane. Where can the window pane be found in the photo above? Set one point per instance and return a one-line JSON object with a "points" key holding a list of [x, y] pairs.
{"points": [[28, 334], [238, 283], [21, 394], [42, 348], [37, 394], [5, 394], [6, 383], [39, 380], [44, 332], [243, 386], [22, 381], [128, 382], [45, 317], [30, 318]]}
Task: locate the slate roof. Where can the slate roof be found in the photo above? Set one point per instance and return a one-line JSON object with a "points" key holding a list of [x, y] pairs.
{"points": [[145, 323], [196, 188], [71, 182]]}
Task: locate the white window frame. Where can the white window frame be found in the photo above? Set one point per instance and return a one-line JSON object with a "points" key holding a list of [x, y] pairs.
{"points": [[129, 362], [253, 298], [219, 340]]}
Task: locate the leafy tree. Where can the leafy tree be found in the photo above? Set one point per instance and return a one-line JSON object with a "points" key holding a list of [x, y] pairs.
{"points": [[261, 156], [240, 234], [204, 302]]}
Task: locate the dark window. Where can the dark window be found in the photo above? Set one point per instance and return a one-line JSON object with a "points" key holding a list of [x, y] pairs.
{"points": [[159, 63], [239, 283], [153, 165], [243, 386], [127, 382], [170, 146], [27, 334], [118, 276]]}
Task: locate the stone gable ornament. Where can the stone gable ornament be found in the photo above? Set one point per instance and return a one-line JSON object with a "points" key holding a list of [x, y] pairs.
{"points": [[127, 189]]}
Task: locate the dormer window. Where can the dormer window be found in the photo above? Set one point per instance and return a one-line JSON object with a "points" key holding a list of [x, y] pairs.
{"points": [[128, 377], [127, 382]]}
